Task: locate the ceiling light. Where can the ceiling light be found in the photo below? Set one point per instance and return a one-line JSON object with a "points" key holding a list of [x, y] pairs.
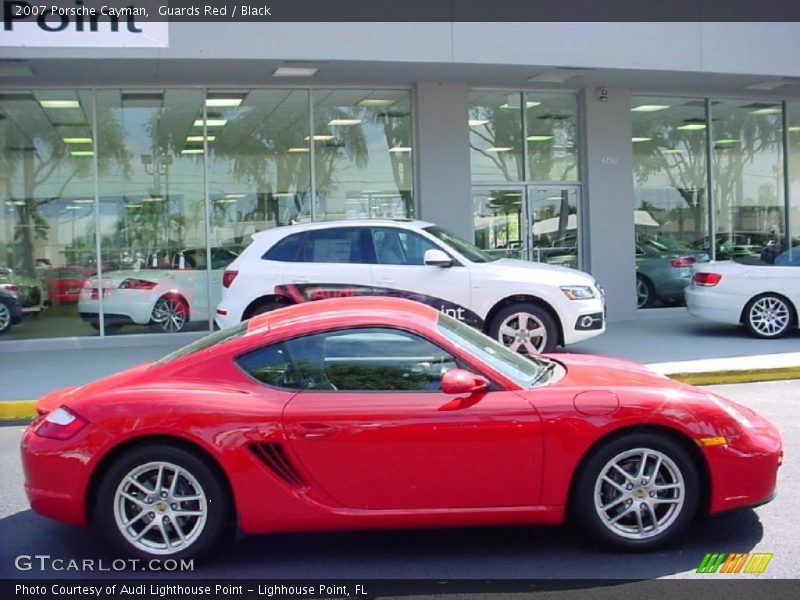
{"points": [[135, 205], [73, 207], [153, 199], [216, 102], [82, 153], [60, 103], [319, 137], [16, 202], [210, 122], [294, 72], [772, 110], [528, 104], [199, 138], [691, 127], [234, 196], [641, 139], [794, 129], [298, 150], [77, 140], [344, 122], [650, 107], [376, 102], [84, 201], [498, 149], [539, 138], [192, 151], [672, 151], [478, 122], [727, 141], [400, 149]]}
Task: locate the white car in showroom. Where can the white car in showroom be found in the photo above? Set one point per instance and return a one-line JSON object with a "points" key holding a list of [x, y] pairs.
{"points": [[530, 307], [169, 293], [764, 297]]}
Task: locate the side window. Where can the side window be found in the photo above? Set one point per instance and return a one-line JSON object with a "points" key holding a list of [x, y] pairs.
{"points": [[286, 250], [268, 365], [338, 245], [399, 246]]}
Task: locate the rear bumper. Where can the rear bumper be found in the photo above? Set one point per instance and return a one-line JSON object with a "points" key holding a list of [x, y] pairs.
{"points": [[707, 303]]}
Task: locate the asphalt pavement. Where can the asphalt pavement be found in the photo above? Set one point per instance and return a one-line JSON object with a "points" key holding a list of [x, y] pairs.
{"points": [[475, 553]]}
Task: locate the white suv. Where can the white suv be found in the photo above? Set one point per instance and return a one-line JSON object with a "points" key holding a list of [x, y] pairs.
{"points": [[529, 307]]}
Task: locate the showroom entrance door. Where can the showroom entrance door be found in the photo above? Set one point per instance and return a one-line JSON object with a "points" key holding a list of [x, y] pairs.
{"points": [[532, 222]]}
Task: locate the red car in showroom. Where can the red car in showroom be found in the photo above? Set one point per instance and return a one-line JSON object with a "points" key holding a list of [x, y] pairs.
{"points": [[363, 413], [65, 284]]}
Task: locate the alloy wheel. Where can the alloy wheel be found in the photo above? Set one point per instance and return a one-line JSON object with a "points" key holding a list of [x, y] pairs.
{"points": [[160, 508], [639, 493], [642, 293], [170, 314], [769, 316], [5, 317], [523, 332]]}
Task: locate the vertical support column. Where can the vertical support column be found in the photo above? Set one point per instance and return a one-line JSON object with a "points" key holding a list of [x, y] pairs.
{"points": [[442, 169], [608, 199]]}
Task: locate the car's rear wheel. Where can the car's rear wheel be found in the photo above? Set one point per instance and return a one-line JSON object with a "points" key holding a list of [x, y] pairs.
{"points": [[163, 501], [170, 314], [5, 318], [266, 306], [768, 316], [645, 292], [525, 328], [637, 492]]}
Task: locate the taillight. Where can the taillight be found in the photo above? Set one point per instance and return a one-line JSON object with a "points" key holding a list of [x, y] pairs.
{"points": [[707, 279], [137, 284], [686, 261], [61, 424], [228, 277], [9, 287]]}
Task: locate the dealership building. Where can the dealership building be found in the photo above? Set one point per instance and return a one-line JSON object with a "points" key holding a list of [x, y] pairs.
{"points": [[628, 150]]}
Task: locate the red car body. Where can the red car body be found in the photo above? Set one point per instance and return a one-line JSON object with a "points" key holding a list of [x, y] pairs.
{"points": [[352, 460], [65, 284]]}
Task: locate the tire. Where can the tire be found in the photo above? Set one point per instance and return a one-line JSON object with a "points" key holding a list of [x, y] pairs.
{"points": [[265, 307], [5, 318], [645, 292], [769, 316], [605, 500], [170, 314], [539, 335], [208, 526]]}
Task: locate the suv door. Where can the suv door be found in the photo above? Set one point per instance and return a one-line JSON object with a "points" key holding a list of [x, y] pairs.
{"points": [[399, 266]]}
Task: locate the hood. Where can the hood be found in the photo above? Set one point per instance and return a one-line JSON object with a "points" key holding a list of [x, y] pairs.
{"points": [[588, 370], [523, 270]]}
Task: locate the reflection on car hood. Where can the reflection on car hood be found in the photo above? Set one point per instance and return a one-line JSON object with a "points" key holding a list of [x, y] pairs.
{"points": [[523, 270], [586, 370]]}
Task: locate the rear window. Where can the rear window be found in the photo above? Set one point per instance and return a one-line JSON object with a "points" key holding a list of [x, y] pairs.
{"points": [[214, 339], [286, 250]]}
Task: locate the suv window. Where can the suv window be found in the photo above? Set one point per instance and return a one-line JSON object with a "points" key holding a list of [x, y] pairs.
{"points": [[399, 246], [287, 249], [337, 245], [362, 359]]}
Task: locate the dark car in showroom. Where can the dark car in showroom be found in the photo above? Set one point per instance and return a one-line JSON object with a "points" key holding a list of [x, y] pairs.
{"points": [[10, 310]]}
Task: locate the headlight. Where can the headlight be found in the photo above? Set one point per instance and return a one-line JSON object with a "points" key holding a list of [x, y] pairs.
{"points": [[578, 292]]}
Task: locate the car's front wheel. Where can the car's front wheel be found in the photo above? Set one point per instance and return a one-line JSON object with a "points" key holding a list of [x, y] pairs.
{"points": [[5, 318], [163, 501], [170, 314], [637, 492], [525, 328], [768, 316]]}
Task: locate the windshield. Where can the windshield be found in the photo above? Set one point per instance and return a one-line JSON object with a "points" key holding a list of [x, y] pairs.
{"points": [[517, 367], [218, 337], [468, 250]]}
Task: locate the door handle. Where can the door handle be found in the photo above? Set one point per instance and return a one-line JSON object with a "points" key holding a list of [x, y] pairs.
{"points": [[385, 280], [315, 431], [300, 279]]}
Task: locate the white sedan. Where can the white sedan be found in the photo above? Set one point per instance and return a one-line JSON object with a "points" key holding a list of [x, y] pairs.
{"points": [[764, 297], [168, 294]]}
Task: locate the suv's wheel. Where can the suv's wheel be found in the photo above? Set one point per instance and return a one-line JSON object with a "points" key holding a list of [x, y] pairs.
{"points": [[645, 293], [525, 328], [637, 492], [163, 501], [170, 314], [768, 316]]}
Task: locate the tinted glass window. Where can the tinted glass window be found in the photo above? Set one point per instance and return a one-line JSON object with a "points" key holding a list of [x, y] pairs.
{"points": [[269, 365], [286, 250], [468, 250], [399, 246], [338, 245]]}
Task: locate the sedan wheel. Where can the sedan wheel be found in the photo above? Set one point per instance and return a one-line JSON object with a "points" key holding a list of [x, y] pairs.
{"points": [[768, 316], [638, 492], [170, 314], [524, 328], [5, 318], [645, 294], [163, 501]]}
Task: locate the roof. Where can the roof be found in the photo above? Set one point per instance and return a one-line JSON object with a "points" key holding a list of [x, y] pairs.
{"points": [[288, 229]]}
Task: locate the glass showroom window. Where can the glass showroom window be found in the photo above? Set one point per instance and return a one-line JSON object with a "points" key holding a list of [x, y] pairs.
{"points": [[793, 132], [747, 171], [259, 164], [152, 212], [552, 136], [47, 224], [362, 154], [670, 187], [495, 136]]}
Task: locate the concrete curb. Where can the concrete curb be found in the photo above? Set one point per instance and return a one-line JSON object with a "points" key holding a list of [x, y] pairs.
{"points": [[17, 409]]}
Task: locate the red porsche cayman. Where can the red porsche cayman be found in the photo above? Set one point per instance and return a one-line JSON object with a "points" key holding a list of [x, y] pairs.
{"points": [[384, 413]]}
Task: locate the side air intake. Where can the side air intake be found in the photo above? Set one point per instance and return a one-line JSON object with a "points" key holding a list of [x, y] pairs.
{"points": [[273, 456]]}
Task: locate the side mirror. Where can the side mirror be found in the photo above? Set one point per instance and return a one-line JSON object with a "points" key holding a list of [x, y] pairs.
{"points": [[459, 381], [437, 258]]}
